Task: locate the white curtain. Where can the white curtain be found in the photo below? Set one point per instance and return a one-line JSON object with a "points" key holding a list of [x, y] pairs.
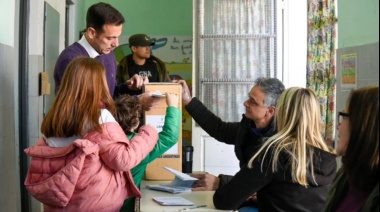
{"points": [[237, 42]]}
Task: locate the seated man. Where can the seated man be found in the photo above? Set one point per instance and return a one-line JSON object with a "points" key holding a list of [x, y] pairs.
{"points": [[246, 135], [257, 122]]}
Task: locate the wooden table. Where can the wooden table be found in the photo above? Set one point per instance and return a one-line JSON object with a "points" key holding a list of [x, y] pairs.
{"points": [[147, 204]]}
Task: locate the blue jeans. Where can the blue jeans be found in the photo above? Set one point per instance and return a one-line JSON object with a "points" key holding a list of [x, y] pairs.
{"points": [[248, 209]]}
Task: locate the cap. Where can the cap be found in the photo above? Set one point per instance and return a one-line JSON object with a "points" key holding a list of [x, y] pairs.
{"points": [[140, 40]]}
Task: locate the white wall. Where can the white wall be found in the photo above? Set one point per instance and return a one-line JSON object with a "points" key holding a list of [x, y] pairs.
{"points": [[77, 15], [295, 43], [9, 143]]}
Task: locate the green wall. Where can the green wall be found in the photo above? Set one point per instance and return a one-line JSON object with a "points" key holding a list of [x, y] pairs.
{"points": [[163, 17], [7, 15], [358, 22], [80, 15]]}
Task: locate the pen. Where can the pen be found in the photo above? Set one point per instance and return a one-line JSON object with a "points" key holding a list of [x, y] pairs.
{"points": [[197, 206]]}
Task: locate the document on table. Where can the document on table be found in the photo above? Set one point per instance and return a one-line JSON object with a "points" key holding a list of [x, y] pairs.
{"points": [[172, 201], [181, 183]]}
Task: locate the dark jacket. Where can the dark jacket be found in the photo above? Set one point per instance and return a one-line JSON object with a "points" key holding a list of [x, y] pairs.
{"points": [[339, 190], [243, 135], [275, 190], [122, 74]]}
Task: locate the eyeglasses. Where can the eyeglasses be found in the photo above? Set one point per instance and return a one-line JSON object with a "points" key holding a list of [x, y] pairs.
{"points": [[252, 102], [342, 116]]}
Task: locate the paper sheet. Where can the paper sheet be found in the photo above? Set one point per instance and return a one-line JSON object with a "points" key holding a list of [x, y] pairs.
{"points": [[181, 183], [172, 201]]}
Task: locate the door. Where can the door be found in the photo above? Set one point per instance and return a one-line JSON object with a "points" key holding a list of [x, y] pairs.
{"points": [[51, 51]]}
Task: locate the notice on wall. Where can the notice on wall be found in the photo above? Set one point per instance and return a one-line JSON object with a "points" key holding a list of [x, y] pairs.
{"points": [[173, 49], [349, 71], [157, 121]]}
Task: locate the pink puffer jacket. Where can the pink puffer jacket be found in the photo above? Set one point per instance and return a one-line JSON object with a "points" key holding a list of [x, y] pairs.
{"points": [[91, 174]]}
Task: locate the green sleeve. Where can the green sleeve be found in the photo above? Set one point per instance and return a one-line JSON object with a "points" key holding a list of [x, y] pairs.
{"points": [[168, 136], [166, 139]]}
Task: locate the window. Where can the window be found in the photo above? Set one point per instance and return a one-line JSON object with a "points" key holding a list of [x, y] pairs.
{"points": [[236, 43]]}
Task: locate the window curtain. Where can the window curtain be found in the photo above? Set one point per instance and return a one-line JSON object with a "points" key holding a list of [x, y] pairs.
{"points": [[237, 43], [321, 60]]}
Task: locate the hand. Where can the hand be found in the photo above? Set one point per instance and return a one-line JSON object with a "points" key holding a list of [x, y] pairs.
{"points": [[145, 80], [186, 96], [148, 125], [151, 125], [171, 99], [147, 101], [253, 197], [206, 182], [136, 82]]}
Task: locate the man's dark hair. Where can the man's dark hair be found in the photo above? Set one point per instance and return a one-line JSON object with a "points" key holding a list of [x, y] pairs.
{"points": [[272, 88], [128, 110], [102, 13]]}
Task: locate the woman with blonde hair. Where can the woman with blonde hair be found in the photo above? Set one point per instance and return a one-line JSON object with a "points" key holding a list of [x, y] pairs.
{"points": [[83, 160], [356, 185], [293, 169]]}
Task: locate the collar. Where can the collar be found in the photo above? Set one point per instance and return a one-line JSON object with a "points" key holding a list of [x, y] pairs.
{"points": [[132, 61], [89, 49], [260, 131]]}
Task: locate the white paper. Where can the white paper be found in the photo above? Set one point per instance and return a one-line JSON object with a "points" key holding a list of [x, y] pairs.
{"points": [[181, 183], [158, 94], [157, 121], [172, 201], [180, 175]]}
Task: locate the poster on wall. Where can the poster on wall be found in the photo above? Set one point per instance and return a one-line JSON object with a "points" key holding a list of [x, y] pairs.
{"points": [[157, 121], [349, 71], [173, 48]]}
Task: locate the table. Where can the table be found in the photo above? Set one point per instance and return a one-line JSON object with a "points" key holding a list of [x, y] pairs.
{"points": [[197, 197]]}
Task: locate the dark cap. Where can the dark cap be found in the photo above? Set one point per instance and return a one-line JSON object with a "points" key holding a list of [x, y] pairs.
{"points": [[140, 40]]}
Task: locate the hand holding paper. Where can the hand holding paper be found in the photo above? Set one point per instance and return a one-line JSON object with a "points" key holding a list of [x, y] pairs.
{"points": [[181, 183]]}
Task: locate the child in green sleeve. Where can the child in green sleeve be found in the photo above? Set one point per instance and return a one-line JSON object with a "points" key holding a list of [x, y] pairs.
{"points": [[128, 112]]}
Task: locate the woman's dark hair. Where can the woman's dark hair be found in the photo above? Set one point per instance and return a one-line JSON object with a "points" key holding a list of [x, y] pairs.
{"points": [[361, 160]]}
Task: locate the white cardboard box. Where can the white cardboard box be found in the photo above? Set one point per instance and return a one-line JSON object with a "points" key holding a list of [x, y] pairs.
{"points": [[155, 116]]}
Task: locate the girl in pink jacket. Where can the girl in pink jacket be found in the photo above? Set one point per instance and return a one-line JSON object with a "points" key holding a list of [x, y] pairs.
{"points": [[83, 161]]}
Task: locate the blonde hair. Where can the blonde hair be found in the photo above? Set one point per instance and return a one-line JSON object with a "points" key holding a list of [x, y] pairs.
{"points": [[76, 108], [298, 123]]}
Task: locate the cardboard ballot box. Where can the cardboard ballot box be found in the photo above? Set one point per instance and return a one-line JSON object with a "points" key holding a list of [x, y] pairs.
{"points": [[156, 117]]}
